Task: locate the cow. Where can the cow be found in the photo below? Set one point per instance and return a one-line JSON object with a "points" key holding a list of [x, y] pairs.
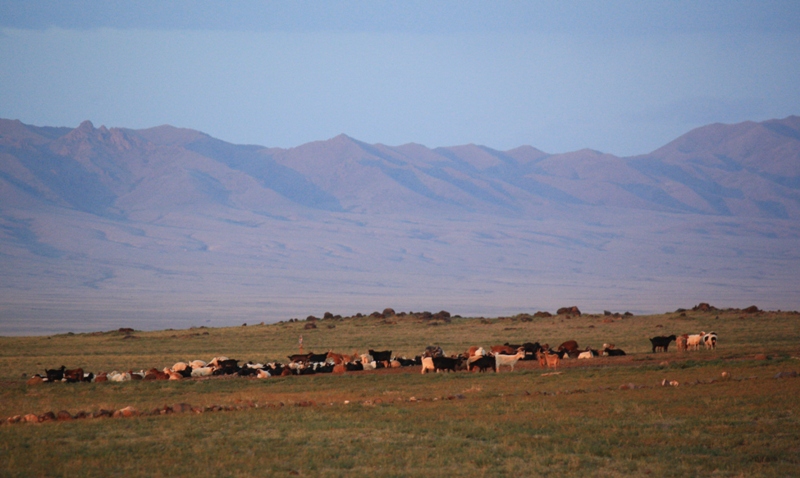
{"points": [[299, 358], [381, 356], [570, 347], [503, 349], [74, 375], [661, 342]]}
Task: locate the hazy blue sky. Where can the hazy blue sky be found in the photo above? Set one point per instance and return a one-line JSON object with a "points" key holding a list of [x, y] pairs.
{"points": [[623, 77]]}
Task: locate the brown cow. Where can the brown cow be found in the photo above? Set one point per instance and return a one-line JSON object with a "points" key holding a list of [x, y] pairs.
{"points": [[74, 375], [503, 349]]}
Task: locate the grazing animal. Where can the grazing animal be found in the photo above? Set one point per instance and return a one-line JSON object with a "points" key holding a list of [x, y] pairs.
{"points": [[312, 357], [200, 372], [447, 363], [381, 356], [299, 358], [503, 349], [427, 364], [570, 347], [482, 363], [552, 360], [180, 367], [693, 341], [55, 374], [541, 355], [710, 340], [661, 343], [509, 360], [74, 375], [681, 342], [613, 352], [339, 358]]}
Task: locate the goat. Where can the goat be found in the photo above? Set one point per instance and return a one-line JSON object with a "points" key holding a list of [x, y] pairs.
{"points": [[500, 359]]}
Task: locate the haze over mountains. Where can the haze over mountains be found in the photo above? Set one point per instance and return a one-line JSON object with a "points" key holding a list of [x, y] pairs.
{"points": [[167, 227]]}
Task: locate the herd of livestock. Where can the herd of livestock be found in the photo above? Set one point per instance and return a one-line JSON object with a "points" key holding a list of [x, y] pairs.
{"points": [[433, 359]]}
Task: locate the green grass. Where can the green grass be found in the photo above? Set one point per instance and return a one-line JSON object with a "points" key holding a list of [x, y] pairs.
{"points": [[579, 422]]}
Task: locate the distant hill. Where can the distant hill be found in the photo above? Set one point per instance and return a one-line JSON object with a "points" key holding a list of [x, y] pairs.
{"points": [[121, 214]]}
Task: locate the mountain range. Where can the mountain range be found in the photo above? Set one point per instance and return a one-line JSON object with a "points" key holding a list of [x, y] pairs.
{"points": [[170, 227]]}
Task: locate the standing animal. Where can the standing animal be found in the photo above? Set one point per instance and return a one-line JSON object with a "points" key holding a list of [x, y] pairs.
{"points": [[381, 356], [55, 374], [509, 360], [681, 342], [661, 342], [710, 340], [552, 360], [482, 362], [693, 341]]}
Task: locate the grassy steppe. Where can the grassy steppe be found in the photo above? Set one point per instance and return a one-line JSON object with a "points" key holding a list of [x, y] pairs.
{"points": [[586, 420]]}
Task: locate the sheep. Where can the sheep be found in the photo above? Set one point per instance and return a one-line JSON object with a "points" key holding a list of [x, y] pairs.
{"points": [[710, 340], [693, 341], [202, 372]]}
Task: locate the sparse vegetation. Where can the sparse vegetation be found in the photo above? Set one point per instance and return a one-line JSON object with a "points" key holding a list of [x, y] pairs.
{"points": [[601, 417]]}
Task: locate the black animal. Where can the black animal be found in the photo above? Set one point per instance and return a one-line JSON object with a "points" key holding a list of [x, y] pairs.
{"points": [[353, 366], [447, 363], [321, 358], [661, 342], [227, 367], [404, 362], [382, 356], [56, 374], [482, 364], [613, 352]]}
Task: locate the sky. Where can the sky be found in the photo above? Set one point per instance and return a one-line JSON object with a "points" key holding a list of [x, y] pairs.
{"points": [[622, 77]]}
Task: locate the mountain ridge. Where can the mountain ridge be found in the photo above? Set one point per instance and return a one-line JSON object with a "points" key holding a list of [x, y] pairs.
{"points": [[170, 225]]}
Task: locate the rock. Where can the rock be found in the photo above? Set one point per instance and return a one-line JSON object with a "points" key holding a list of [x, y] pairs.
{"points": [[542, 314], [181, 408], [48, 416], [760, 357], [63, 415], [725, 375], [310, 325], [792, 374], [751, 310], [569, 311], [31, 418]]}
